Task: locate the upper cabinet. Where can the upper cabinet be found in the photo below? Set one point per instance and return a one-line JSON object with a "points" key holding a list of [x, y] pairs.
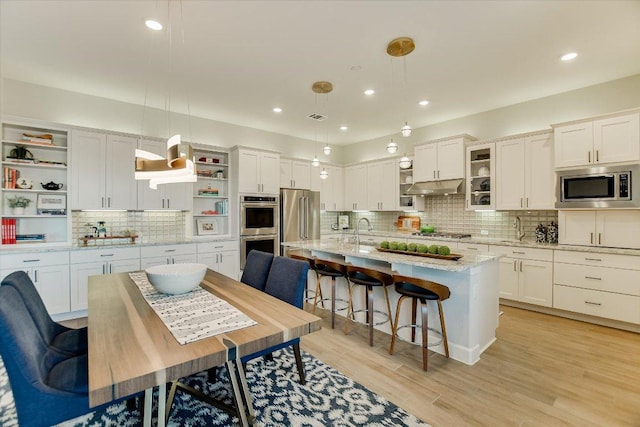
{"points": [[593, 142], [439, 160], [382, 187], [35, 173], [102, 171], [295, 174], [175, 196], [481, 177], [256, 171], [355, 187], [211, 194], [407, 202], [332, 189], [525, 175]]}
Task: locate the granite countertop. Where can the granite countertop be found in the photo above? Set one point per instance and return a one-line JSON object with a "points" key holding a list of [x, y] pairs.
{"points": [[487, 241], [469, 258]]}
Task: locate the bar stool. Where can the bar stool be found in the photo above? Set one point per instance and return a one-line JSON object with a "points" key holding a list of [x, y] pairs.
{"points": [[368, 278], [423, 291], [333, 269], [311, 260]]}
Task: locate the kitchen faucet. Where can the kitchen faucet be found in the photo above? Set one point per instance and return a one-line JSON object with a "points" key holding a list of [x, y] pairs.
{"points": [[369, 227], [519, 231]]}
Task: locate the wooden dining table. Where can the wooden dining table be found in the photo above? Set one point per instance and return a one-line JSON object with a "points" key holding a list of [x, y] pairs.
{"points": [[131, 350]]}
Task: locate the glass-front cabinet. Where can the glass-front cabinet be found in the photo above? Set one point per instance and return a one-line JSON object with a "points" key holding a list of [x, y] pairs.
{"points": [[34, 184], [481, 177], [407, 202]]}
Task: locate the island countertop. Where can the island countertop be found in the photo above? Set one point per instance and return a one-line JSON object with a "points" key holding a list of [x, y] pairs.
{"points": [[469, 258]]}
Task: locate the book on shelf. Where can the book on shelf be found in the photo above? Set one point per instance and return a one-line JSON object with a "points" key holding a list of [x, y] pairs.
{"points": [[10, 177], [45, 138], [38, 141], [29, 237], [9, 231]]}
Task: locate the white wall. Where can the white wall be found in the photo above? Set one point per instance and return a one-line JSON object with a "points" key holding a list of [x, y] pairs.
{"points": [[616, 95], [59, 106]]}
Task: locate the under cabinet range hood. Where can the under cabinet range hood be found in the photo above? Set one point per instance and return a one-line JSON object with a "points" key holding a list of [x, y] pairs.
{"points": [[437, 188]]}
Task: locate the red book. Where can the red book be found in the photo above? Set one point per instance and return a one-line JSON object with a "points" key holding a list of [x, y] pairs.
{"points": [[4, 231], [13, 231]]}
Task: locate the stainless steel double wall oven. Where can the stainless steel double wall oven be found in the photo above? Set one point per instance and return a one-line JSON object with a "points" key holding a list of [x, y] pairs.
{"points": [[259, 219]]}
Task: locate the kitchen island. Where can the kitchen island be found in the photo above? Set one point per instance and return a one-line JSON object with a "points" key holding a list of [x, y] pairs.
{"points": [[471, 312]]}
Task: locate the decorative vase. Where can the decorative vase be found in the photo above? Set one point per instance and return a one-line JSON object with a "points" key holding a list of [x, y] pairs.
{"points": [[18, 210], [552, 233], [541, 233]]}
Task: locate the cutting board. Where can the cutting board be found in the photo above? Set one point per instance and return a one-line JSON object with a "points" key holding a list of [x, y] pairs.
{"points": [[408, 223]]}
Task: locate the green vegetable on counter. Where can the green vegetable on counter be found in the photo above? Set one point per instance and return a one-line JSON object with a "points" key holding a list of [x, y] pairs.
{"points": [[433, 249], [402, 246], [444, 250], [412, 247], [384, 244], [423, 249], [393, 246]]}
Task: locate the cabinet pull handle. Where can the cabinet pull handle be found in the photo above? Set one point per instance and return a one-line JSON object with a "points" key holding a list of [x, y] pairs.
{"points": [[102, 202], [168, 203], [169, 250], [108, 202], [599, 238], [520, 266], [589, 156], [597, 155], [110, 268], [218, 247], [438, 173], [35, 276], [106, 254], [527, 202], [514, 265], [434, 174], [592, 278], [593, 259], [472, 249], [162, 203], [591, 238], [521, 205], [592, 303], [103, 267], [518, 252], [30, 260]]}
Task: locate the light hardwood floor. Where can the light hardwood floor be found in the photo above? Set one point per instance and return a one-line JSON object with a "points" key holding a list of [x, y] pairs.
{"points": [[542, 371]]}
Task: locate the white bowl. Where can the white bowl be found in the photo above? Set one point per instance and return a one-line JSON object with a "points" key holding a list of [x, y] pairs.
{"points": [[176, 278]]}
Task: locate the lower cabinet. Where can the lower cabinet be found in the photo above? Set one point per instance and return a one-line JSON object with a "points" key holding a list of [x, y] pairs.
{"points": [[222, 257], [49, 273], [95, 262], [526, 274], [167, 254], [602, 285]]}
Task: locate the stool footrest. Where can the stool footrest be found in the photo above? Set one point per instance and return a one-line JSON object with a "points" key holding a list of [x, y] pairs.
{"points": [[364, 310], [436, 332]]}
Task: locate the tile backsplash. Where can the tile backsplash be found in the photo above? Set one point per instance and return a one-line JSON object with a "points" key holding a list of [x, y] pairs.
{"points": [[448, 213], [151, 226]]}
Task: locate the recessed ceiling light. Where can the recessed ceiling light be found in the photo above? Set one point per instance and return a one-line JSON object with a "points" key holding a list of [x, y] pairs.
{"points": [[356, 68], [154, 25], [569, 56], [423, 102], [343, 128], [369, 92], [277, 110]]}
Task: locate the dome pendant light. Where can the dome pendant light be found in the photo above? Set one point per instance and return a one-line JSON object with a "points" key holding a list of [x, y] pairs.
{"points": [[401, 47], [405, 162], [324, 174], [315, 162], [326, 150], [392, 147], [406, 130]]}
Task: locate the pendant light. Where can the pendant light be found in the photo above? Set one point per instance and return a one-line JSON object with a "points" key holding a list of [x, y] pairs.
{"points": [[326, 150], [405, 162], [179, 165], [401, 47], [324, 174], [392, 147], [315, 162], [322, 87]]}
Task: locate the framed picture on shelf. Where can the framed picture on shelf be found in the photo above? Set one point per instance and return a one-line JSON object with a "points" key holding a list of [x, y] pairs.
{"points": [[52, 204], [206, 226]]}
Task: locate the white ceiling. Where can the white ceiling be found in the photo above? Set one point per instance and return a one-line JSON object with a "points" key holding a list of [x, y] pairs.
{"points": [[241, 58]]}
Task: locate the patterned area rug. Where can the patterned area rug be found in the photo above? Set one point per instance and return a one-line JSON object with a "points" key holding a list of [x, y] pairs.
{"points": [[328, 399]]}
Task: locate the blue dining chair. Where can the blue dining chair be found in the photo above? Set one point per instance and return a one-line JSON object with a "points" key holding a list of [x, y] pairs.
{"points": [[68, 340], [286, 281], [256, 269], [48, 385]]}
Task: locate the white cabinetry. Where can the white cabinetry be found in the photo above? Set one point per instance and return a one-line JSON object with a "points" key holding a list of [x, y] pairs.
{"points": [[256, 171], [102, 171], [440, 159], [332, 189], [211, 193], [222, 257], [382, 178], [23, 177], [481, 176], [49, 273], [295, 174], [607, 140], [167, 196], [355, 187], [603, 285], [95, 262], [167, 254], [611, 228], [525, 175], [525, 274], [407, 202]]}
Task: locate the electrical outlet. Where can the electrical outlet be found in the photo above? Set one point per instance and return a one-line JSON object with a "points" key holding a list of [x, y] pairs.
{"points": [[484, 232]]}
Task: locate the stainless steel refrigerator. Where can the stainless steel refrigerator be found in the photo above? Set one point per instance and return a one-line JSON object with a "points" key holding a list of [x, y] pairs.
{"points": [[299, 216]]}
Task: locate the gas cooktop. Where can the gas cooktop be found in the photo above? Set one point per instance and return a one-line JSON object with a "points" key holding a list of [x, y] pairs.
{"points": [[443, 234]]}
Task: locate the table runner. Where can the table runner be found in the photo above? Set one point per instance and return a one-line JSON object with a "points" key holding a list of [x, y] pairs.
{"points": [[193, 315]]}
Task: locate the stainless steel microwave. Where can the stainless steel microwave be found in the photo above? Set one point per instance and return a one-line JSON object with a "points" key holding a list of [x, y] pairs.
{"points": [[599, 187]]}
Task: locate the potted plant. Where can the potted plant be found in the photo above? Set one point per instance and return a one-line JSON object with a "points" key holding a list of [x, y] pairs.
{"points": [[18, 203]]}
